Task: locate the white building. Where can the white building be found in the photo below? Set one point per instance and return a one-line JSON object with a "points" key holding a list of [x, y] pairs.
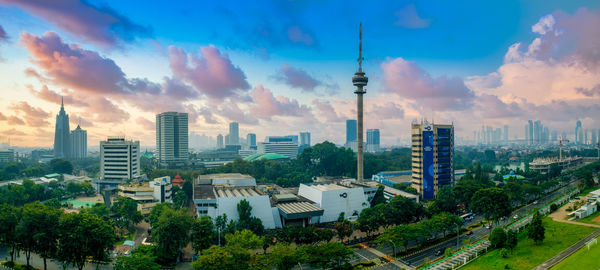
{"points": [[78, 143], [334, 198], [7, 155], [119, 159], [218, 194], [162, 189], [142, 194], [172, 137]]}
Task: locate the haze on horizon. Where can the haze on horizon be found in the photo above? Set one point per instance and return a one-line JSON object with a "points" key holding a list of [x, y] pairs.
{"points": [[281, 67]]}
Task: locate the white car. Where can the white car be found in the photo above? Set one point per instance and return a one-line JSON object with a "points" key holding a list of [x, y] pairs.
{"points": [[516, 216]]}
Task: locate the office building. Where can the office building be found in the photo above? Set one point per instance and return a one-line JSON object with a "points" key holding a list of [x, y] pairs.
{"points": [[162, 189], [432, 157], [305, 138], [220, 143], [505, 133], [351, 131], [373, 140], [119, 159], [172, 137], [530, 132], [283, 145], [234, 134], [7, 155], [218, 194], [578, 133], [251, 141], [79, 143], [62, 136], [142, 194]]}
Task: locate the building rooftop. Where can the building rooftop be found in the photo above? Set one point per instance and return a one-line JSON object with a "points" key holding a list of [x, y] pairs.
{"points": [[294, 210], [326, 187], [222, 191], [204, 192]]}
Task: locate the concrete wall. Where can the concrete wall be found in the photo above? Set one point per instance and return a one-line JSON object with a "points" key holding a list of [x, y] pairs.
{"points": [[334, 202]]}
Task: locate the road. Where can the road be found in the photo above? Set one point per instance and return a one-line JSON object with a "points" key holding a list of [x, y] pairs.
{"points": [[418, 258]]}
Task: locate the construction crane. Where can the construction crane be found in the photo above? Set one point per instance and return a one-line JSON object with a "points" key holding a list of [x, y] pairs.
{"points": [[560, 145]]}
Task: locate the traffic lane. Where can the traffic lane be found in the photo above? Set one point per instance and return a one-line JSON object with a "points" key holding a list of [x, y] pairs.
{"points": [[419, 258]]}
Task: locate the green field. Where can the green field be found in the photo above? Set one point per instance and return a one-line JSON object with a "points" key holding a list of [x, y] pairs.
{"points": [[582, 259], [587, 191], [79, 204], [527, 255]]}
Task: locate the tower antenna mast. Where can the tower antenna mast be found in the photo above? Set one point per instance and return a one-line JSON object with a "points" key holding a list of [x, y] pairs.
{"points": [[360, 81]]}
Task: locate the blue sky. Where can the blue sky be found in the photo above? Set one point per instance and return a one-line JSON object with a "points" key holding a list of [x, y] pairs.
{"points": [[285, 66]]}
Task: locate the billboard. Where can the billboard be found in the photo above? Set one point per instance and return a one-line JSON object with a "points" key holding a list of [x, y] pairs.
{"points": [[428, 190]]}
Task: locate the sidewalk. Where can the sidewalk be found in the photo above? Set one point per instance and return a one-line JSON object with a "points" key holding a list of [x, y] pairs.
{"points": [[395, 262]]}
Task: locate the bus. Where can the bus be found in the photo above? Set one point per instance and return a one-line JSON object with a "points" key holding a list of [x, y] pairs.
{"points": [[467, 216]]}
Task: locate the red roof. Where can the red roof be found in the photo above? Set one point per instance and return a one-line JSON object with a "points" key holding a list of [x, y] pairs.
{"points": [[177, 179]]}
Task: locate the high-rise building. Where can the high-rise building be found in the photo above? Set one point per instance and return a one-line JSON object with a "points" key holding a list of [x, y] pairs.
{"points": [[7, 155], [578, 133], [350, 131], [283, 145], [505, 133], [234, 134], [251, 140], [172, 137], [220, 144], [373, 140], [119, 159], [62, 136], [305, 138], [79, 143], [432, 157], [530, 132], [594, 137]]}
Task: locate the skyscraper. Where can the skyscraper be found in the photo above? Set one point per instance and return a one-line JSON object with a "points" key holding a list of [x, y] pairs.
{"points": [[505, 133], [79, 143], [350, 131], [530, 132], [373, 140], [172, 137], [234, 133], [62, 136], [578, 133], [220, 144], [119, 159], [251, 140], [304, 138], [432, 157]]}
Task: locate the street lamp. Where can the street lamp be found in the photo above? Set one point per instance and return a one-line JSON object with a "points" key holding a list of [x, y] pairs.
{"points": [[393, 247], [457, 234]]}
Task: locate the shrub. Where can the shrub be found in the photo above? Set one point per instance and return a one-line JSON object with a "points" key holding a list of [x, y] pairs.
{"points": [[504, 253]]}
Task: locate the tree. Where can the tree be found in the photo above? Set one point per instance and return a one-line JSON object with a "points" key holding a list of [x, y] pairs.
{"points": [[126, 209], [137, 261], [445, 201], [246, 221], [171, 233], [400, 210], [344, 229], [378, 198], [498, 237], [74, 188], [465, 189], [370, 219], [157, 211], [203, 233], [81, 236], [536, 228], [215, 258], [59, 165], [179, 199], [511, 240], [284, 256], [38, 230], [98, 209], [492, 202], [448, 253], [328, 255], [54, 203], [9, 219]]}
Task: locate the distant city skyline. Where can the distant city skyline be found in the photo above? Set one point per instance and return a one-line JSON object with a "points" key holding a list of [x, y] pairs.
{"points": [[443, 61]]}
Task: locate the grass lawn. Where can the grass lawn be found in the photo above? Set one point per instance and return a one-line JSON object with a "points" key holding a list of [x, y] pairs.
{"points": [[527, 255], [587, 191], [129, 236], [590, 219], [582, 259]]}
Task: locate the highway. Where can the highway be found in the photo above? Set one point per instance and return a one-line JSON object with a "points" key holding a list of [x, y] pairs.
{"points": [[418, 258]]}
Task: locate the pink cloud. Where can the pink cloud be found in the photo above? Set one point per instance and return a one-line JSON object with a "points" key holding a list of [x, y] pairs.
{"points": [[589, 92], [3, 35], [13, 132], [326, 110], [233, 112], [98, 24], [409, 18], [408, 80], [267, 105], [145, 123], [490, 106], [388, 110], [14, 120], [51, 96], [296, 78], [297, 35], [34, 117], [211, 72]]}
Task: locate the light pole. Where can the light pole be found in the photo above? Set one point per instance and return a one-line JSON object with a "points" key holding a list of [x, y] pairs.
{"points": [[457, 235], [393, 247]]}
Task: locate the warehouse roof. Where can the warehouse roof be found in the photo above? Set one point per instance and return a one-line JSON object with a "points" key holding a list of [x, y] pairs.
{"points": [[236, 191], [295, 210]]}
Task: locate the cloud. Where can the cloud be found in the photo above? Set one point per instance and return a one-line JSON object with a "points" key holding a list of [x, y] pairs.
{"points": [[212, 73], [267, 105], [296, 78], [490, 106], [2, 117], [326, 110], [3, 35], [589, 92], [13, 132], [14, 120], [297, 35], [408, 80], [79, 121], [145, 123], [232, 112], [409, 18], [178, 90], [101, 25], [388, 110], [33, 116], [51, 96]]}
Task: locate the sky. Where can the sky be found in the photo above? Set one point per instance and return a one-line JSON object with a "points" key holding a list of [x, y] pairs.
{"points": [[282, 67]]}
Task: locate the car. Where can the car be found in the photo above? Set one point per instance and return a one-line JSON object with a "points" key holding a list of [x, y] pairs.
{"points": [[487, 226], [516, 216], [439, 252], [576, 198], [536, 202], [469, 233]]}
